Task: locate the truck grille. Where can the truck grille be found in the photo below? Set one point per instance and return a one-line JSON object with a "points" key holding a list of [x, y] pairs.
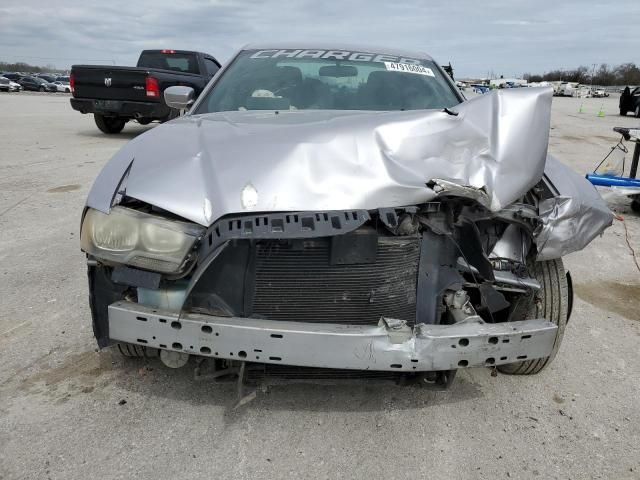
{"points": [[301, 283]]}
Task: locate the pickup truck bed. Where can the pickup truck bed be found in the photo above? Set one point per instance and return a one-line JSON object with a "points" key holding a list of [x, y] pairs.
{"points": [[116, 95]]}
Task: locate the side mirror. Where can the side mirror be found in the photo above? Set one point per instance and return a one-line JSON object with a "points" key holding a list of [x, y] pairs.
{"points": [[179, 97]]}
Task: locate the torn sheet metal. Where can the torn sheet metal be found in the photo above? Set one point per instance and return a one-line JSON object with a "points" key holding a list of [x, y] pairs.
{"points": [[334, 160], [573, 218]]}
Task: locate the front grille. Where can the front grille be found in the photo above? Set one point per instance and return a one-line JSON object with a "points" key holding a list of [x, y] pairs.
{"points": [[300, 283]]}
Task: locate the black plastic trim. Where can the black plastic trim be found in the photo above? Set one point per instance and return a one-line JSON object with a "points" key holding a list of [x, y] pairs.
{"points": [[281, 226]]}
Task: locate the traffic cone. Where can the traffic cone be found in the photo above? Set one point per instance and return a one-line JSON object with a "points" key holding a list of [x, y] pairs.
{"points": [[601, 112], [581, 110]]}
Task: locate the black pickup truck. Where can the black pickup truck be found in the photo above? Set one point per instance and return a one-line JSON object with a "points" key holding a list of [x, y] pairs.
{"points": [[116, 95]]}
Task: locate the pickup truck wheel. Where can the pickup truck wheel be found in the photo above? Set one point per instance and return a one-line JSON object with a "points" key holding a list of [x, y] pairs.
{"points": [[551, 302], [109, 124], [136, 351]]}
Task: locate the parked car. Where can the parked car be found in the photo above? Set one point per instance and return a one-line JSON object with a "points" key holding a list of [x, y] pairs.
{"points": [[63, 86], [28, 82], [116, 95], [14, 86], [599, 93], [46, 77], [566, 89], [330, 210], [480, 88], [36, 84], [630, 101], [13, 76], [5, 84]]}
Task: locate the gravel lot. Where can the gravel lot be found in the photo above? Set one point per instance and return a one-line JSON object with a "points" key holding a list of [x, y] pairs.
{"points": [[62, 404]]}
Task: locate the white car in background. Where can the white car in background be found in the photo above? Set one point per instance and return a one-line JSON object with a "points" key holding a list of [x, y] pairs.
{"points": [[6, 85], [62, 86], [14, 87]]}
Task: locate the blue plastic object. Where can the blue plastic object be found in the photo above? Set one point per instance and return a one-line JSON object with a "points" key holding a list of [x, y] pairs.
{"points": [[611, 181]]}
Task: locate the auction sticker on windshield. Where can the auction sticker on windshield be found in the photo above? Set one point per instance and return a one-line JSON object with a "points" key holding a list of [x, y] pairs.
{"points": [[409, 68]]}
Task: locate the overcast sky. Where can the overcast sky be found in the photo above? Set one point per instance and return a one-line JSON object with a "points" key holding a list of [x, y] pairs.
{"points": [[507, 37]]}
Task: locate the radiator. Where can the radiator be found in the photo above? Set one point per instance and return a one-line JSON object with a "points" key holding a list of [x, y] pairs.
{"points": [[300, 283]]}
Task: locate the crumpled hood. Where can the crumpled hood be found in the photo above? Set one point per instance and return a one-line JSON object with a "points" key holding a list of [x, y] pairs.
{"points": [[204, 167]]}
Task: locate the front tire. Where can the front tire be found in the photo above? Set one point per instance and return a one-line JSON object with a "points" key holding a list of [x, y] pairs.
{"points": [[623, 113], [42, 89], [130, 350], [551, 302], [109, 125]]}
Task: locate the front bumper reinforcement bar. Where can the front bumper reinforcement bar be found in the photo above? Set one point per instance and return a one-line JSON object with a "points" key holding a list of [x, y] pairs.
{"points": [[389, 346]]}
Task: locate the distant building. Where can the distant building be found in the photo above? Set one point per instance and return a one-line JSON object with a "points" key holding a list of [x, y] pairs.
{"points": [[541, 84], [497, 82]]}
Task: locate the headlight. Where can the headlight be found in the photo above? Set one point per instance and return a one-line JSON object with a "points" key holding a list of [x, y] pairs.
{"points": [[138, 239]]}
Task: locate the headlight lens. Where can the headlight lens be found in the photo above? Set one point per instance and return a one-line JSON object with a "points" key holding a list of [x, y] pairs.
{"points": [[161, 240], [138, 239], [117, 233]]}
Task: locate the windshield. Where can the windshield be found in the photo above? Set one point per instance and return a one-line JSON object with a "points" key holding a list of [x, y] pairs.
{"points": [[328, 80]]}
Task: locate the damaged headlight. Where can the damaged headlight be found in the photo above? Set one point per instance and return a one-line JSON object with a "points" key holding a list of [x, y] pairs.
{"points": [[138, 239]]}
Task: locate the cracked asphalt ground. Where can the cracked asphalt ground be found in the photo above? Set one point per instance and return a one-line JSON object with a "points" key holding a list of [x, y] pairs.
{"points": [[69, 412]]}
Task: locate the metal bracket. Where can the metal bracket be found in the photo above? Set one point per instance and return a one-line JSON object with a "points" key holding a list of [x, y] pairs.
{"points": [[245, 393]]}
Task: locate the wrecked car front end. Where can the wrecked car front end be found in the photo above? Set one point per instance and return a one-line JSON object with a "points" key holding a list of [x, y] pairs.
{"points": [[355, 289], [403, 241]]}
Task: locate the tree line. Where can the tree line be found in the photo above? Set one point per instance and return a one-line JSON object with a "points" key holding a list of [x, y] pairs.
{"points": [[25, 67], [605, 75]]}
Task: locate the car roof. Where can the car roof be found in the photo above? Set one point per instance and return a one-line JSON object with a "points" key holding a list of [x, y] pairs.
{"points": [[332, 46]]}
